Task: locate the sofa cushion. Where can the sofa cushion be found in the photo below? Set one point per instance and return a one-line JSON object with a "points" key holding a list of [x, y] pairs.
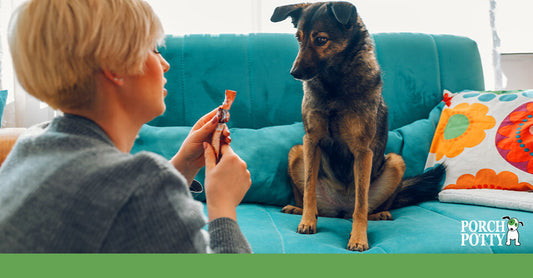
{"points": [[264, 150], [256, 66], [413, 141], [416, 68], [430, 227], [486, 141]]}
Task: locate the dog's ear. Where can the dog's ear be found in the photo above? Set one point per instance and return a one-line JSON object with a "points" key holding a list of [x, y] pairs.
{"points": [[294, 11], [345, 13], [506, 217]]}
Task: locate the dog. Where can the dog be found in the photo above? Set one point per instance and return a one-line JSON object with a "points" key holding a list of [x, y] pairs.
{"points": [[341, 169], [512, 230]]}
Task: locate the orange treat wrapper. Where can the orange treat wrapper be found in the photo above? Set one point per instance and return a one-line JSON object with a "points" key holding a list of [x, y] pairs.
{"points": [[223, 119]]}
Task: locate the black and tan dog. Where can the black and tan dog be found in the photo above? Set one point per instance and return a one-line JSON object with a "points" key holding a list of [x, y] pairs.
{"points": [[341, 170]]}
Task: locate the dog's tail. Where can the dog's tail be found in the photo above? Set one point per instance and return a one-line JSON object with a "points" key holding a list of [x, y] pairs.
{"points": [[424, 187]]}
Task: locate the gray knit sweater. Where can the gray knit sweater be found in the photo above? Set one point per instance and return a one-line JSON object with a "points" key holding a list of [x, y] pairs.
{"points": [[66, 188]]}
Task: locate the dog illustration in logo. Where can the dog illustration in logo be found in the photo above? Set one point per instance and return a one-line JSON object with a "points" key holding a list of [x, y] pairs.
{"points": [[512, 230]]}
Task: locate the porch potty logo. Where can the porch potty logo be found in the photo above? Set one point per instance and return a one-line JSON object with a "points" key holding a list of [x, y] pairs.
{"points": [[491, 233]]}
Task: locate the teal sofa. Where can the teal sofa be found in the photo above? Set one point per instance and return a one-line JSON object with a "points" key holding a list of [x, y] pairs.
{"points": [[266, 122]]}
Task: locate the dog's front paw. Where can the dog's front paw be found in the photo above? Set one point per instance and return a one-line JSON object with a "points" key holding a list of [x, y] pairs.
{"points": [[307, 227], [358, 246], [292, 210], [355, 244]]}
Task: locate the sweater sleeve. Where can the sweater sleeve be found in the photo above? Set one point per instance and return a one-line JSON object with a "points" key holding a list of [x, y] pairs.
{"points": [[161, 216], [226, 237], [158, 222]]}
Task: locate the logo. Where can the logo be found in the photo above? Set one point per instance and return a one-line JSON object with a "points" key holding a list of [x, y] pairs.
{"points": [[512, 230], [490, 233]]}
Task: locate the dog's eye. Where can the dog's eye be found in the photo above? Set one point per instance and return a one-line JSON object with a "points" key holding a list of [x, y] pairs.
{"points": [[320, 41]]}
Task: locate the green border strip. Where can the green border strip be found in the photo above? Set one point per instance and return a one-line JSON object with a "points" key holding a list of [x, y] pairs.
{"points": [[288, 265]]}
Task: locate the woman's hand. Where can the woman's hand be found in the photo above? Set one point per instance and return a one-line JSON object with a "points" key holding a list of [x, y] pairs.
{"points": [[190, 157], [226, 183]]}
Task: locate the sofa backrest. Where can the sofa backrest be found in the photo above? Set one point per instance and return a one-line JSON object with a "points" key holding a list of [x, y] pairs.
{"points": [[416, 68]]}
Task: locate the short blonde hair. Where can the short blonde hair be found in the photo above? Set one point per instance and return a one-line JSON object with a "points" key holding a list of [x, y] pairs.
{"points": [[58, 45]]}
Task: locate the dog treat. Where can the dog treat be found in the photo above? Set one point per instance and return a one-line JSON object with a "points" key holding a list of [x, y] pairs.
{"points": [[223, 115]]}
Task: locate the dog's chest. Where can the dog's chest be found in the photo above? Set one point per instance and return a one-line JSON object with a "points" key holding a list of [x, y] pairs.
{"points": [[335, 186], [335, 201], [330, 115], [328, 121]]}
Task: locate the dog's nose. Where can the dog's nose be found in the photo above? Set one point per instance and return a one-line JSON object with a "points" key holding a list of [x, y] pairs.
{"points": [[297, 73]]}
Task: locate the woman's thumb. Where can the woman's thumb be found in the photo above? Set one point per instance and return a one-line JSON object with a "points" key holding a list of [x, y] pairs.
{"points": [[209, 155]]}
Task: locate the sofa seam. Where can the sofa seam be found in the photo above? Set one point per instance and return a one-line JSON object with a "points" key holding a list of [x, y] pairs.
{"points": [[282, 243], [439, 64], [250, 80], [182, 81]]}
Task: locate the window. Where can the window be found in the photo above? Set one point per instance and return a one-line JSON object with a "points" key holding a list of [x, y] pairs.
{"points": [[471, 18], [515, 26]]}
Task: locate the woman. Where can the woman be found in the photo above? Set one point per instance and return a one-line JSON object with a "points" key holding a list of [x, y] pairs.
{"points": [[71, 185]]}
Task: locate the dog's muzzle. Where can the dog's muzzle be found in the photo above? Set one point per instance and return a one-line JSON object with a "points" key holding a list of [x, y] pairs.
{"points": [[302, 73], [297, 73]]}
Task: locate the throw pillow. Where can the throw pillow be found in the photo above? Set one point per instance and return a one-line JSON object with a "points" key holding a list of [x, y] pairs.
{"points": [[264, 150], [413, 141], [486, 141]]}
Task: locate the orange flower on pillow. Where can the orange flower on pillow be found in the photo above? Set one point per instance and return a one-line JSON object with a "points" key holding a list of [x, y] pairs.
{"points": [[461, 127], [488, 179]]}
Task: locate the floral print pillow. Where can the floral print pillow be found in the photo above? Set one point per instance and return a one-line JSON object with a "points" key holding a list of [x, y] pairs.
{"points": [[486, 141]]}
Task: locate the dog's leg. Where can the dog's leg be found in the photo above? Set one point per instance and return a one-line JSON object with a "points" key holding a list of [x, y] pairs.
{"points": [[312, 155], [384, 186], [362, 171], [508, 239], [296, 174]]}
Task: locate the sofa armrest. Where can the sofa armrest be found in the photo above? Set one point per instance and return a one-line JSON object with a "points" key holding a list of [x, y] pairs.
{"points": [[8, 137]]}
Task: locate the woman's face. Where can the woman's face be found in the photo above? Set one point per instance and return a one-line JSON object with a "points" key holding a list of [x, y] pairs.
{"points": [[146, 90]]}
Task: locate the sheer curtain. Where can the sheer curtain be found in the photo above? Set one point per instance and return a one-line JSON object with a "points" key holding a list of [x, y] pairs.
{"points": [[22, 110], [470, 18]]}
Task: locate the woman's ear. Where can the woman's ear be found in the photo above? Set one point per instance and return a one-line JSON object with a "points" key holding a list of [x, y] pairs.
{"points": [[113, 77]]}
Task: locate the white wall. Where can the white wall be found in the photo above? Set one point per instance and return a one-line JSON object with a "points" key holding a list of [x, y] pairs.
{"points": [[517, 71], [469, 18]]}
